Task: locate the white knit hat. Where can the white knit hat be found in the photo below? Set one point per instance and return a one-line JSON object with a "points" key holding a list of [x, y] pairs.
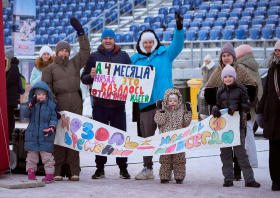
{"points": [[208, 57], [45, 49], [145, 37], [173, 96]]}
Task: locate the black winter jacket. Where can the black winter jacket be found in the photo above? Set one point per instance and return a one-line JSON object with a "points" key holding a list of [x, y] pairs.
{"points": [[100, 55], [12, 79], [269, 105], [235, 93]]}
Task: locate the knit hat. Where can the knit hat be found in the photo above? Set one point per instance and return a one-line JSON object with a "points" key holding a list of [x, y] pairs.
{"points": [[108, 33], [45, 49], [277, 45], [173, 96], [9, 53], [208, 57], [228, 71], [62, 45], [228, 48], [145, 37], [243, 50], [39, 90]]}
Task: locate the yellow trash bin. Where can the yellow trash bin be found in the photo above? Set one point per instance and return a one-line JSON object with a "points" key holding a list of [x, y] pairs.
{"points": [[194, 85]]}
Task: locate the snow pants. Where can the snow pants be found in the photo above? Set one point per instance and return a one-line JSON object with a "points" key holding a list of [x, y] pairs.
{"points": [[32, 160]]}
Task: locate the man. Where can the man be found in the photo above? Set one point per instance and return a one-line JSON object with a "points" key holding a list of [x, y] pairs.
{"points": [[151, 52], [105, 110]]}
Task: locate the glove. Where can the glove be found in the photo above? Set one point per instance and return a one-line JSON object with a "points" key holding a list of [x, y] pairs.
{"points": [[33, 102], [159, 105], [49, 131], [179, 20], [77, 26], [216, 112], [232, 109], [56, 111], [188, 106], [152, 68], [260, 120]]}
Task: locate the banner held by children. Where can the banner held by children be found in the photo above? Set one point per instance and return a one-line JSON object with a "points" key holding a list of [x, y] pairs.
{"points": [[123, 82], [87, 135]]}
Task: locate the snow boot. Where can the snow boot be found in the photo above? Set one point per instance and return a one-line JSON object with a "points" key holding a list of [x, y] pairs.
{"points": [[48, 179], [32, 174]]}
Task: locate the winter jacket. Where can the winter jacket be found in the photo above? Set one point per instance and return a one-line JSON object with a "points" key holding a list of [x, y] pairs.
{"points": [[249, 62], [63, 76], [41, 117], [269, 104], [235, 93], [12, 80], [206, 72], [37, 71], [100, 55], [161, 59], [172, 119]]}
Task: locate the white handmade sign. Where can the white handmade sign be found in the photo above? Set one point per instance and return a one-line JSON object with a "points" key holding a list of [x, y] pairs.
{"points": [[123, 82], [83, 134]]}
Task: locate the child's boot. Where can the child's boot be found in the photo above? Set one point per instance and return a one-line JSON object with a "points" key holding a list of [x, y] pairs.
{"points": [[32, 174], [164, 181], [179, 181], [48, 179]]}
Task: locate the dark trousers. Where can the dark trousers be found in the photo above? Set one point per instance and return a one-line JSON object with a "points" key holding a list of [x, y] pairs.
{"points": [[274, 161], [115, 117], [11, 120]]}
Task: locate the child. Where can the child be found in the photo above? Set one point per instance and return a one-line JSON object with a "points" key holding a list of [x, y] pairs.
{"points": [[39, 135], [170, 117], [234, 96]]}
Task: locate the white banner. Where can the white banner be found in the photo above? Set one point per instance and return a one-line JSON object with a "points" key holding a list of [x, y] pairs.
{"points": [[86, 135], [123, 82]]}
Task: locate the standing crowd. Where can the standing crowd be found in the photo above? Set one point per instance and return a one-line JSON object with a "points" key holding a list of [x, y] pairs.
{"points": [[234, 84]]}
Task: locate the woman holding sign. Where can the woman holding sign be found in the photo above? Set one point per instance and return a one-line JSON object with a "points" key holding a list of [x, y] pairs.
{"points": [[152, 52]]}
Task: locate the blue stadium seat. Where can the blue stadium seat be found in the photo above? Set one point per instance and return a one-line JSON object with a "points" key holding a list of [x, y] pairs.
{"points": [[212, 14], [114, 16], [221, 22], [127, 7], [156, 25], [67, 2], [241, 33], [196, 23], [54, 23], [224, 13], [37, 10], [259, 13], [134, 28], [236, 13], [49, 30], [159, 33], [119, 37], [163, 10], [56, 2], [85, 1], [272, 12], [67, 31], [49, 16], [168, 18], [201, 14], [186, 23], [215, 34], [44, 24], [144, 26], [238, 5], [77, 15], [109, 5], [43, 10], [255, 33], [7, 41], [188, 16], [5, 18], [41, 17], [267, 33], [104, 1], [6, 32], [99, 24], [203, 35], [204, 7], [37, 39], [216, 5], [225, 6], [86, 14], [70, 8], [96, 13], [250, 5], [274, 3], [63, 23], [243, 22], [80, 8], [171, 25], [227, 34], [177, 2], [262, 4], [75, 2], [272, 26], [39, 3], [93, 22], [58, 16], [173, 9], [48, 3], [90, 7], [257, 22], [188, 2], [167, 36], [207, 23], [196, 3], [137, 35], [183, 9], [61, 9], [43, 40], [149, 19], [128, 37], [159, 18], [70, 40], [278, 32], [272, 19], [191, 35]]}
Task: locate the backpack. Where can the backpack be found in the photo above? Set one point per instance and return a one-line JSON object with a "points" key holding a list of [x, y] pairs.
{"points": [[21, 84]]}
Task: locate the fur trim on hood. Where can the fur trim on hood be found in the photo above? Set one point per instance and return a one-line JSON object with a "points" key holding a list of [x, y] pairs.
{"points": [[144, 36], [41, 65], [169, 92]]}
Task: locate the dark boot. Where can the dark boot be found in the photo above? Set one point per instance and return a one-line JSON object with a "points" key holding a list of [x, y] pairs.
{"points": [[124, 173], [179, 181], [99, 173], [228, 184], [253, 184], [275, 187], [164, 181]]}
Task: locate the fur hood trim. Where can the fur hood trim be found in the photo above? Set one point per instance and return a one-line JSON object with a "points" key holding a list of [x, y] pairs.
{"points": [[41, 65]]}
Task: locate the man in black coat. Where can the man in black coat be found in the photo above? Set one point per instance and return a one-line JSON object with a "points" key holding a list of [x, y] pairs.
{"points": [[105, 110]]}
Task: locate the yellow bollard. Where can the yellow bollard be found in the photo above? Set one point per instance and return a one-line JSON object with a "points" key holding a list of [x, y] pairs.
{"points": [[195, 85]]}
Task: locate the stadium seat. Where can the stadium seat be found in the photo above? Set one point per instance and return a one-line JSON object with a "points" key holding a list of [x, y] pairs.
{"points": [[177, 2], [99, 24], [67, 31], [159, 33], [216, 5], [49, 30], [85, 1], [96, 13], [215, 34], [49, 16], [48, 3], [173, 9], [225, 6], [241, 33], [149, 19], [80, 8], [67, 2], [163, 10], [159, 18], [236, 13], [168, 18], [134, 28], [221, 22], [204, 7], [119, 37], [90, 7], [114, 16], [171, 25], [39, 3], [267, 33], [128, 37], [44, 24], [52, 39], [259, 13], [188, 2], [262, 4], [278, 32], [43, 40], [200, 14], [212, 14], [93, 22], [61, 9], [156, 25], [144, 26], [203, 35], [7, 41], [231, 22], [196, 23], [6, 33], [127, 7], [137, 35], [167, 36], [191, 35], [224, 13], [41, 17], [257, 22], [272, 19], [77, 15], [238, 5], [227, 34], [75, 2], [70, 8], [274, 3], [196, 3], [86, 14], [255, 33], [184, 9], [56, 2]]}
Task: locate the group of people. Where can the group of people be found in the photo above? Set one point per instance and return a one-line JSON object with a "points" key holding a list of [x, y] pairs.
{"points": [[56, 87]]}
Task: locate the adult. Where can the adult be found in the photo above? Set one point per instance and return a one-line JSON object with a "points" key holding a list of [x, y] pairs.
{"points": [[12, 79], [45, 58], [268, 116], [107, 111], [246, 58], [207, 69], [151, 52], [63, 78]]}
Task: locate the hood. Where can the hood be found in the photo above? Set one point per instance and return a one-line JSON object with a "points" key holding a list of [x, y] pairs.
{"points": [[41, 65], [14, 61], [166, 95], [249, 61], [139, 45]]}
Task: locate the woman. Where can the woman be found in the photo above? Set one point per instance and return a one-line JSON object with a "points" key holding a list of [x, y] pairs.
{"points": [[268, 116], [45, 58], [207, 69], [12, 80]]}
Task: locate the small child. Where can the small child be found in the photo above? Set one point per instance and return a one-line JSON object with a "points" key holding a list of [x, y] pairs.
{"points": [[234, 96], [170, 117], [39, 135]]}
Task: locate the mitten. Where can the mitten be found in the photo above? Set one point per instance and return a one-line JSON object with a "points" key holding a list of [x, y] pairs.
{"points": [[159, 105], [188, 106], [77, 26], [216, 112], [179, 20], [152, 68], [260, 120], [232, 109], [49, 131], [56, 111], [33, 102]]}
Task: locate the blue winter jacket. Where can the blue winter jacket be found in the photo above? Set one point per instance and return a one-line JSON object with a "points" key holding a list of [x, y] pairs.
{"points": [[161, 59], [41, 117]]}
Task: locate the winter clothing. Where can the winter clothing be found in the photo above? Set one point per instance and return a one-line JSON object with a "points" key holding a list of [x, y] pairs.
{"points": [[12, 79], [33, 159], [37, 71], [108, 33], [32, 174], [172, 119], [63, 45], [63, 78], [145, 37], [251, 145], [228, 48], [38, 91], [208, 57], [9, 53], [243, 50], [274, 161], [77, 26], [46, 49], [277, 45], [207, 71], [11, 121], [228, 71], [174, 96]]}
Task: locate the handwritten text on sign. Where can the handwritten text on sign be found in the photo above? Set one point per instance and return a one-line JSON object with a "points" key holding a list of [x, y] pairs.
{"points": [[86, 135], [123, 82]]}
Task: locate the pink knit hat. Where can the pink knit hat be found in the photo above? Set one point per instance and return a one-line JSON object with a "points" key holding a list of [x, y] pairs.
{"points": [[243, 50], [277, 45], [228, 71]]}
